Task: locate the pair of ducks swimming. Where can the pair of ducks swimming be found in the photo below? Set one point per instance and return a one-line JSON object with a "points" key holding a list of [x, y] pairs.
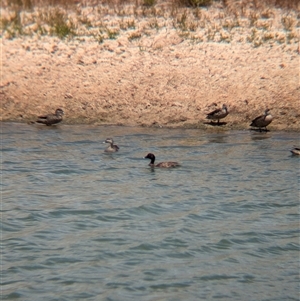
{"points": [[260, 122], [114, 148]]}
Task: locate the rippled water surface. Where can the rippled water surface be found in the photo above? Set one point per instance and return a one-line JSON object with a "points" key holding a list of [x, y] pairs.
{"points": [[80, 224]]}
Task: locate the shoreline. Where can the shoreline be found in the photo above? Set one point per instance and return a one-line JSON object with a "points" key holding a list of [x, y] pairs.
{"points": [[163, 78], [199, 126]]}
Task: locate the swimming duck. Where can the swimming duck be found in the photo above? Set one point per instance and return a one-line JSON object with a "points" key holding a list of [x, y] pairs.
{"points": [[162, 164], [218, 114], [295, 151], [263, 120], [112, 147], [51, 118]]}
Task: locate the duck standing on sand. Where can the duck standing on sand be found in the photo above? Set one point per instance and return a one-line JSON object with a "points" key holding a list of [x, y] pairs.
{"points": [[51, 119], [263, 120], [218, 114], [162, 164], [295, 151], [112, 147]]}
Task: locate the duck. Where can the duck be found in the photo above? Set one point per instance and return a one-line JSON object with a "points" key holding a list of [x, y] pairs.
{"points": [[112, 147], [295, 151], [218, 114], [263, 120], [51, 119], [161, 164]]}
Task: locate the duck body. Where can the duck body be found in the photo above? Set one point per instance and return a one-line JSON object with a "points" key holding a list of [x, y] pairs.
{"points": [[263, 120], [295, 151], [51, 119], [112, 147], [161, 164], [218, 114]]}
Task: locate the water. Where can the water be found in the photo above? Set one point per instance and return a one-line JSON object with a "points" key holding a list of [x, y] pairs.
{"points": [[80, 224]]}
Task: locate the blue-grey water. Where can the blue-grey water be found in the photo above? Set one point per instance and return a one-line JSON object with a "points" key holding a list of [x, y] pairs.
{"points": [[81, 224]]}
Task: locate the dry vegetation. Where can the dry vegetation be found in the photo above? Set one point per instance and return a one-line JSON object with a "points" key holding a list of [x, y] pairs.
{"points": [[255, 22]]}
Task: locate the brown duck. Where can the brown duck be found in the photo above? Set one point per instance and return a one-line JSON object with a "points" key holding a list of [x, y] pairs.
{"points": [[51, 119], [218, 114], [162, 164], [263, 120]]}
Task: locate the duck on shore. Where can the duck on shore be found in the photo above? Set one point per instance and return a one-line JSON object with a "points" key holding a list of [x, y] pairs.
{"points": [[112, 147], [218, 114], [263, 120], [51, 119], [161, 164]]}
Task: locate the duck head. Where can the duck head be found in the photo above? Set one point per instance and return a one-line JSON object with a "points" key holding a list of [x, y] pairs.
{"points": [[59, 112]]}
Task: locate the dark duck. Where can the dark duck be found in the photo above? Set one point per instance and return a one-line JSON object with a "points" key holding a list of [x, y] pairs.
{"points": [[51, 119], [161, 164]]}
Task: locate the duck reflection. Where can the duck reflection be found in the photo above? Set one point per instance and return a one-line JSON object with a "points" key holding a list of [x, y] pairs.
{"points": [[256, 136]]}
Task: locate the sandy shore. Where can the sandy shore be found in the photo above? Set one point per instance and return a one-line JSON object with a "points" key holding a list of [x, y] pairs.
{"points": [[160, 80]]}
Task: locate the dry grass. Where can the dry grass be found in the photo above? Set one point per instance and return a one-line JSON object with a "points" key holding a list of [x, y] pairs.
{"points": [[256, 22], [257, 4]]}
